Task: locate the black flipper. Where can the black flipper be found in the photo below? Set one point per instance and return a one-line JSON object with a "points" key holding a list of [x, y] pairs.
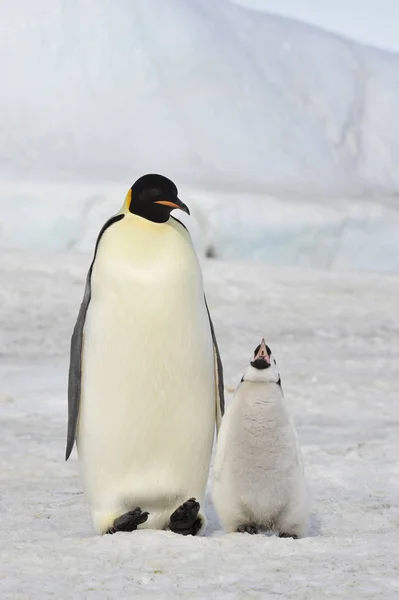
{"points": [[75, 364], [218, 374]]}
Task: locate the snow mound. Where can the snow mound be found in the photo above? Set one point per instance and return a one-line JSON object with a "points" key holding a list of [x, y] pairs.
{"points": [[201, 90], [284, 138]]}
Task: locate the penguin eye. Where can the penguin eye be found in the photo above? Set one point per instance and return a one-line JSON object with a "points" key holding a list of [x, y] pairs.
{"points": [[150, 193]]}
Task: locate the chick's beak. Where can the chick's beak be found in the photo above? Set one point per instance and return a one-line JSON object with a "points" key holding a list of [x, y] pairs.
{"points": [[262, 353], [262, 359]]}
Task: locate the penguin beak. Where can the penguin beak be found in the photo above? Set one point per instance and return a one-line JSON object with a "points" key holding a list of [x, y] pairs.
{"points": [[175, 203], [261, 360]]}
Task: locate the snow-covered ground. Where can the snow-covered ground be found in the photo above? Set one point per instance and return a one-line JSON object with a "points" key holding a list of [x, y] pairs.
{"points": [[336, 339]]}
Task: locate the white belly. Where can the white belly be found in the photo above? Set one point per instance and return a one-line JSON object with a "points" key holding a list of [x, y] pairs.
{"points": [[147, 413], [258, 469]]}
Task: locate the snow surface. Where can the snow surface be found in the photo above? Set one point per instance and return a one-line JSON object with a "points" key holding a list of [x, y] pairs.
{"points": [[335, 337]]}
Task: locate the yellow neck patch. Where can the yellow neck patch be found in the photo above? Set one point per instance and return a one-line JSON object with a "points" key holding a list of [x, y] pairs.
{"points": [[126, 204]]}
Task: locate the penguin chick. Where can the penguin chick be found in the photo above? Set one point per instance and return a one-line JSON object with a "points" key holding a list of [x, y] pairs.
{"points": [[259, 480]]}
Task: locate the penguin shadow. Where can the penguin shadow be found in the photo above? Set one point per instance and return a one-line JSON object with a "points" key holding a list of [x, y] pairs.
{"points": [[214, 527], [315, 529]]}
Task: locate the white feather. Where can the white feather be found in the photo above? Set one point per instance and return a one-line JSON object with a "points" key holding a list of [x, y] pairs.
{"points": [[147, 414], [258, 473]]}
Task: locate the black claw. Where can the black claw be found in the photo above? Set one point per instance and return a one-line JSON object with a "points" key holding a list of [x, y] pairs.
{"points": [[185, 520], [251, 528], [288, 535], [129, 521]]}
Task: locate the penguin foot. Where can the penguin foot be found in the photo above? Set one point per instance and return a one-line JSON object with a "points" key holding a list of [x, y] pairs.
{"points": [[250, 528], [288, 535], [129, 521], [185, 519]]}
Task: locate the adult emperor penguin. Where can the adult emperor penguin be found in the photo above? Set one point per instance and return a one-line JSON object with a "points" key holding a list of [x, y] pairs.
{"points": [[259, 480], [145, 380]]}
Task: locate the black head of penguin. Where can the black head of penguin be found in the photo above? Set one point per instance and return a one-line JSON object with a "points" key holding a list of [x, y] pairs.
{"points": [[153, 197]]}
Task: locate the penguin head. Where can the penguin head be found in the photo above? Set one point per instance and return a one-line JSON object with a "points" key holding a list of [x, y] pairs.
{"points": [[153, 197], [262, 366]]}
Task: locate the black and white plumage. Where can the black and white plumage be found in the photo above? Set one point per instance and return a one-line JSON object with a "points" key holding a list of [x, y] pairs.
{"points": [[145, 378]]}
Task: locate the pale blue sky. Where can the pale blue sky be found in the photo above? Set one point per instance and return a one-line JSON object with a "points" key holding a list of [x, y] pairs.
{"points": [[373, 22]]}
